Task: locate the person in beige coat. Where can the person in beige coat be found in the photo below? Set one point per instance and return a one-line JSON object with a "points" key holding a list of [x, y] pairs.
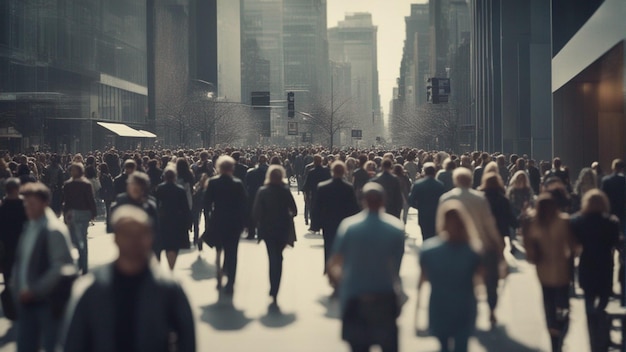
{"points": [[493, 244], [550, 245]]}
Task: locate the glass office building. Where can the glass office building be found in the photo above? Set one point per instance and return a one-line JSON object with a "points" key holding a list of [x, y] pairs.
{"points": [[66, 65]]}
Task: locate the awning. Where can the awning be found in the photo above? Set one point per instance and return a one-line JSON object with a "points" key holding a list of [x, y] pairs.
{"points": [[10, 132], [123, 130], [148, 134]]}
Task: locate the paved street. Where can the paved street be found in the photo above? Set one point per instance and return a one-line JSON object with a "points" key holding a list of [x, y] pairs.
{"points": [[309, 320]]}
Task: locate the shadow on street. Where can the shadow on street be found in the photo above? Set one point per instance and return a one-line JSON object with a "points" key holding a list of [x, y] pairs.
{"points": [[333, 310], [499, 340], [275, 318], [224, 316], [202, 270]]}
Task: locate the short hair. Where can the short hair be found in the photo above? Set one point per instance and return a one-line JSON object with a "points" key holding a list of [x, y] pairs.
{"points": [[387, 164], [170, 174], [79, 167], [618, 164], [12, 184], [338, 168], [595, 202], [430, 169], [225, 163], [236, 156], [374, 193], [462, 177], [275, 175], [130, 163], [130, 213], [36, 189], [140, 179]]}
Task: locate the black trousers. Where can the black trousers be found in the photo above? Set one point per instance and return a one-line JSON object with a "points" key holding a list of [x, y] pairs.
{"points": [[230, 246], [329, 240], [275, 253], [556, 307]]}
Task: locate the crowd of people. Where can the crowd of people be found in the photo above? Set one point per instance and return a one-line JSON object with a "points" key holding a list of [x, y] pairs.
{"points": [[471, 209]]}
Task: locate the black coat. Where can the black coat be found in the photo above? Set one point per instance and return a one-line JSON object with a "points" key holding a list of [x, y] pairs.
{"points": [[174, 216], [273, 212], [393, 190], [225, 201], [615, 188], [502, 211], [255, 179], [360, 178], [119, 184], [241, 171], [335, 201], [424, 197]]}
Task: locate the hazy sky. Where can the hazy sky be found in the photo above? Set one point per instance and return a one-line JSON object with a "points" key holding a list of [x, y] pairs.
{"points": [[388, 15]]}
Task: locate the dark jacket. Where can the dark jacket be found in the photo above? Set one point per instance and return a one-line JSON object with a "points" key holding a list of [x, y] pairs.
{"points": [[424, 197], [225, 201], [12, 217], [107, 192], [615, 188], [393, 190], [119, 184], [162, 307], [335, 201], [317, 175], [174, 216], [360, 178], [502, 211], [255, 179], [599, 236], [273, 211], [241, 171], [149, 206], [78, 195], [156, 177]]}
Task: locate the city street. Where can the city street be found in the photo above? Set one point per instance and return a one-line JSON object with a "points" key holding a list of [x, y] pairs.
{"points": [[309, 321]]}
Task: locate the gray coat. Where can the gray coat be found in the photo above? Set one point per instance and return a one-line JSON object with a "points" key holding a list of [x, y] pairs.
{"points": [[163, 308]]}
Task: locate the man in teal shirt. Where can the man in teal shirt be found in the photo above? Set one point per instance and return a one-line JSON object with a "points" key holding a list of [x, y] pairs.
{"points": [[366, 260]]}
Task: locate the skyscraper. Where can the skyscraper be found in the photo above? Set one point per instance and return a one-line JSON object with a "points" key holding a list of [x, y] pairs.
{"points": [[354, 40]]}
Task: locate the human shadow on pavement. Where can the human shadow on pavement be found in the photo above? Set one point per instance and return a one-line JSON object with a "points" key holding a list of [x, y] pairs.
{"points": [[310, 236], [9, 336], [499, 340], [333, 310], [202, 270], [223, 315], [275, 318]]}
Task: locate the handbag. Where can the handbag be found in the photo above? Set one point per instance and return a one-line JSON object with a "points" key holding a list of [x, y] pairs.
{"points": [[8, 304]]}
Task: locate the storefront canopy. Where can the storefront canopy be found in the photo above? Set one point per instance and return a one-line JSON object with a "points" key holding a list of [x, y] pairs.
{"points": [[125, 131], [10, 133]]}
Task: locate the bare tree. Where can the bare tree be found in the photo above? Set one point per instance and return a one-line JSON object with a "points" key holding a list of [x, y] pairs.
{"points": [[330, 116], [428, 126]]}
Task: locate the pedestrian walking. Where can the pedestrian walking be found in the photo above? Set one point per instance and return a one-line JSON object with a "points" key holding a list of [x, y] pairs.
{"points": [[129, 304], [42, 254], [424, 197], [273, 212], [174, 217], [137, 194], [335, 201], [392, 187], [12, 217], [226, 201], [107, 192], [119, 183], [365, 265], [254, 181], [451, 262], [445, 174], [405, 186], [315, 176], [79, 208], [549, 244]]}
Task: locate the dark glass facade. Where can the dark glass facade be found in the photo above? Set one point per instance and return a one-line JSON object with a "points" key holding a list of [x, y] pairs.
{"points": [[65, 64]]}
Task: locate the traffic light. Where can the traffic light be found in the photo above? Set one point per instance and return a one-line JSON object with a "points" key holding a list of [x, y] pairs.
{"points": [[291, 105]]}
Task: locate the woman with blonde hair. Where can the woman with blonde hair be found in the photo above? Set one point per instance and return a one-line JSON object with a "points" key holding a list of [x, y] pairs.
{"points": [[586, 181], [550, 245], [450, 262], [273, 211], [521, 196], [597, 231]]}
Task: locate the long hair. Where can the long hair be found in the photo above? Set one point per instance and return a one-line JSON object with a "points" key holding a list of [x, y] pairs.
{"points": [[492, 180], [595, 202], [587, 181], [518, 174], [546, 210], [275, 175], [453, 205]]}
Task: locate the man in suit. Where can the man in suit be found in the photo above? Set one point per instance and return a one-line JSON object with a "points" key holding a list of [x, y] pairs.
{"points": [[391, 185], [241, 170], [360, 176], [226, 200], [43, 253], [130, 304], [119, 183], [335, 201], [614, 186], [424, 197], [317, 175], [253, 182]]}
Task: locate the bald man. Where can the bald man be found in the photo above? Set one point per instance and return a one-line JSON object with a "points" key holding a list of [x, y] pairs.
{"points": [[335, 201], [130, 304]]}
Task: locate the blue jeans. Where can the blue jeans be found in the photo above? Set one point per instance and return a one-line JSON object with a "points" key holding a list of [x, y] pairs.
{"points": [[36, 328], [78, 225]]}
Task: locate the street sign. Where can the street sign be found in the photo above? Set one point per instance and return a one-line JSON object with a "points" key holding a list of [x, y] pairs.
{"points": [[307, 137], [292, 128], [358, 134]]}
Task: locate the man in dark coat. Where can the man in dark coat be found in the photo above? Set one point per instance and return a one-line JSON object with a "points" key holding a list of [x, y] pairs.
{"points": [[12, 217], [614, 186], [241, 170], [137, 194], [335, 201], [226, 200], [174, 217], [119, 183], [391, 185], [360, 176], [129, 304], [317, 175], [424, 197], [253, 182]]}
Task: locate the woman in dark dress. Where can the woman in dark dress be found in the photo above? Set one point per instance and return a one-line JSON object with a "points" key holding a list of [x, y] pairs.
{"points": [[273, 211], [598, 233], [174, 216]]}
